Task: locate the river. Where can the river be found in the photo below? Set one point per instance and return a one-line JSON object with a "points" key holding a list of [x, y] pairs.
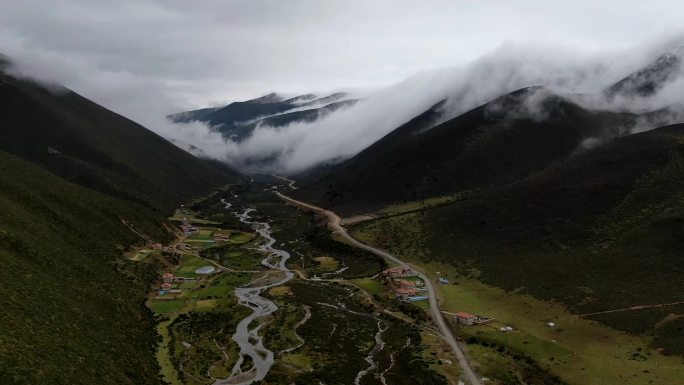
{"points": [[250, 343]]}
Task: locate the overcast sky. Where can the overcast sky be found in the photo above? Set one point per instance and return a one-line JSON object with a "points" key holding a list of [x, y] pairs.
{"points": [[145, 59], [202, 52]]}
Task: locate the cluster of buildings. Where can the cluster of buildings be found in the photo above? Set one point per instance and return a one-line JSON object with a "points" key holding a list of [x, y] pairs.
{"points": [[168, 280], [405, 289], [399, 272]]}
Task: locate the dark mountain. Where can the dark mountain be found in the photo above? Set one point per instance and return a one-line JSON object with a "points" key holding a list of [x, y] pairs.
{"points": [[492, 145], [76, 180], [87, 144], [601, 230], [650, 79], [337, 96], [189, 116], [237, 120], [301, 98]]}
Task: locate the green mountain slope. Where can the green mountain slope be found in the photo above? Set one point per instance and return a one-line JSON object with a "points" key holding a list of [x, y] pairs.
{"points": [[602, 230], [492, 145], [92, 146], [72, 173], [68, 315]]}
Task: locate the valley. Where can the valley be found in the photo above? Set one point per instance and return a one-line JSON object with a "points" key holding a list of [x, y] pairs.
{"points": [[516, 219], [253, 319], [313, 290]]}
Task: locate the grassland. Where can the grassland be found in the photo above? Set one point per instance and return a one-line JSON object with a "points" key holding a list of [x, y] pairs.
{"points": [[369, 285], [580, 351], [169, 306], [576, 351], [406, 207]]}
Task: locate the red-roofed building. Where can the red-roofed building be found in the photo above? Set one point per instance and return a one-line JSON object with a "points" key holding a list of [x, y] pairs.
{"points": [[166, 286], [463, 318], [405, 292]]}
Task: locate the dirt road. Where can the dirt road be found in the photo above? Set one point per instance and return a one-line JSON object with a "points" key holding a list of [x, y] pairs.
{"points": [[334, 224]]}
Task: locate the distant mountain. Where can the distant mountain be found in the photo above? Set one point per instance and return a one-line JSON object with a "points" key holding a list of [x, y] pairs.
{"points": [[238, 120], [189, 116], [307, 116], [495, 144], [79, 185], [649, 79], [301, 99]]}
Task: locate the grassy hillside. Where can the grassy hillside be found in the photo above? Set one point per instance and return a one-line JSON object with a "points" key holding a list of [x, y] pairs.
{"points": [[72, 173], [603, 230], [492, 145], [92, 146], [69, 314]]}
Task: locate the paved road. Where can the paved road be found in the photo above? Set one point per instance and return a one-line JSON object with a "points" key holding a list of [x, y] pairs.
{"points": [[334, 224]]}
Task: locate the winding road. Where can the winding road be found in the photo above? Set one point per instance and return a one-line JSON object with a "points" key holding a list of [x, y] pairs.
{"points": [[334, 223]]}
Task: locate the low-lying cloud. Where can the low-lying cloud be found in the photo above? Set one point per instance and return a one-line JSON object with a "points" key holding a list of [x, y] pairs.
{"points": [[342, 134]]}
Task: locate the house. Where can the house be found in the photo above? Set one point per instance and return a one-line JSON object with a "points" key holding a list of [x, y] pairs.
{"points": [[157, 246], [463, 318], [404, 293], [550, 324], [402, 282], [175, 291], [168, 277], [443, 281], [162, 292], [166, 286]]}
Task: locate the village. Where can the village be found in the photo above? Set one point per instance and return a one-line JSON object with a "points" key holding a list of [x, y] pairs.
{"points": [[407, 286], [196, 280], [193, 236]]}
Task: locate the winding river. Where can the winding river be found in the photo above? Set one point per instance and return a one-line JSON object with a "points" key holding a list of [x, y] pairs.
{"points": [[250, 343]]}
